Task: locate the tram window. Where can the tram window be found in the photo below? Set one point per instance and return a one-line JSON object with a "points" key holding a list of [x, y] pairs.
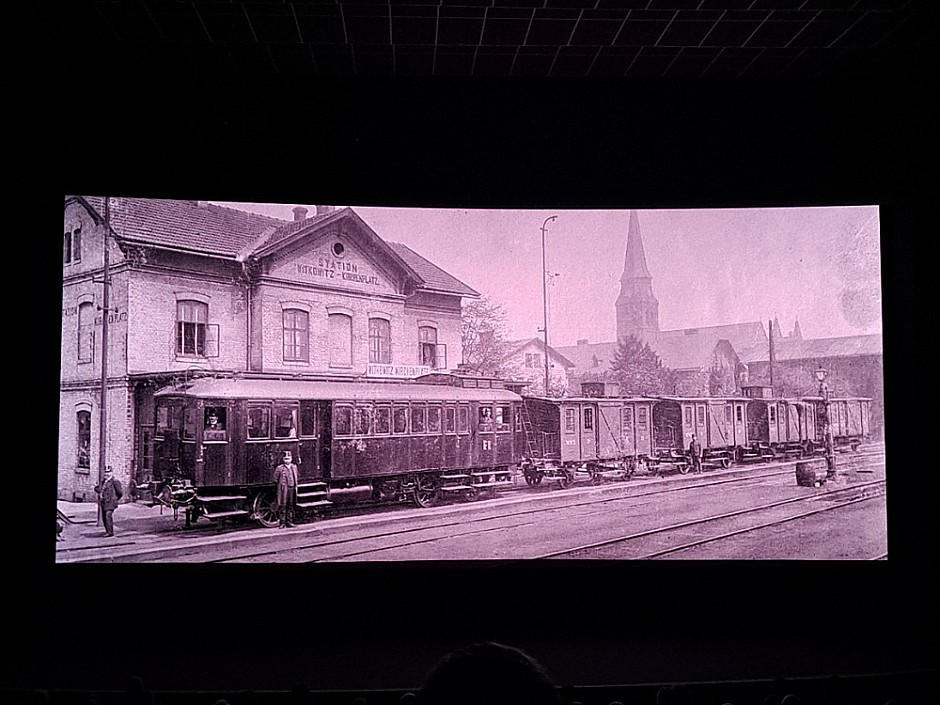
{"points": [[701, 415], [400, 420], [189, 424], [483, 384], [739, 412], [382, 419], [463, 419], [627, 416], [518, 419], [569, 420], [450, 420], [434, 419], [308, 418], [470, 384], [688, 416], [502, 418], [641, 416], [342, 421], [163, 419], [214, 423], [417, 419], [285, 422], [727, 413], [772, 411], [363, 420], [589, 419], [486, 417], [258, 422]]}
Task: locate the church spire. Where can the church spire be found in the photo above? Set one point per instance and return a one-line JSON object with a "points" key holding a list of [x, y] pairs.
{"points": [[637, 307], [634, 263]]}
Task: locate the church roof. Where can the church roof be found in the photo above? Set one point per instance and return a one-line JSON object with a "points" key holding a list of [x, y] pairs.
{"points": [[788, 349], [634, 263], [682, 349]]}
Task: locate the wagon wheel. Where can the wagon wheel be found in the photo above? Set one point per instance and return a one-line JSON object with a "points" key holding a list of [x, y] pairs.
{"points": [[264, 509], [426, 491], [536, 479], [529, 479], [725, 462], [683, 468], [471, 493], [566, 480]]}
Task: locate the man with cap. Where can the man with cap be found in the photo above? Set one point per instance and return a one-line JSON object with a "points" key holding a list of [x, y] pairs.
{"points": [[695, 453], [285, 477], [109, 493]]}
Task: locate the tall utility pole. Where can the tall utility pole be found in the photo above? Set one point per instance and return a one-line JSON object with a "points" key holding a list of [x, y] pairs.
{"points": [[770, 326], [105, 311], [545, 298]]}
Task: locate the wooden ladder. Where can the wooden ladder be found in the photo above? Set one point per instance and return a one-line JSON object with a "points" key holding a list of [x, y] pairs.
{"points": [[531, 442]]}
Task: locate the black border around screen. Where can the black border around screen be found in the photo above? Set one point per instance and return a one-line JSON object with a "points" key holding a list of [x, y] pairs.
{"points": [[551, 143]]}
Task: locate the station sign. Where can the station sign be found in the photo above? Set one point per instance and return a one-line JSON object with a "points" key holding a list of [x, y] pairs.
{"points": [[397, 371]]}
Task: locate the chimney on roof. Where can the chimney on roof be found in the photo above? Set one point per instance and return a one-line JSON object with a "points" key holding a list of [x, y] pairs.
{"points": [[323, 210], [202, 204], [582, 341], [300, 213]]}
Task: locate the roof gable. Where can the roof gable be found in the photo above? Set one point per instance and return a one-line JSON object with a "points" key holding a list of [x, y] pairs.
{"points": [[517, 347]]}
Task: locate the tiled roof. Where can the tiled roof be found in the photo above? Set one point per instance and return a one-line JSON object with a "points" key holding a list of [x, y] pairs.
{"points": [[186, 225], [516, 346], [847, 346], [217, 230], [434, 277]]}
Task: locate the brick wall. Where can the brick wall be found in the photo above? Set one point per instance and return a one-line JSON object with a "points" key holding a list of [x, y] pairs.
{"points": [[78, 483]]}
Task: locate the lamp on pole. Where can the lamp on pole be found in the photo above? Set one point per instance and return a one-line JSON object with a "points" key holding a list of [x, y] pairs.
{"points": [[545, 298], [821, 374]]}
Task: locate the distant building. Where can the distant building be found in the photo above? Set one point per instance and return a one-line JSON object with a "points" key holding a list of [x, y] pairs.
{"points": [[717, 360], [855, 366], [199, 289], [525, 360]]}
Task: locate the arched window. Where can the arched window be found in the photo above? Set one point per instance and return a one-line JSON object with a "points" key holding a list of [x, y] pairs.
{"points": [[296, 335], [192, 318], [380, 341], [86, 332], [340, 340], [84, 439]]}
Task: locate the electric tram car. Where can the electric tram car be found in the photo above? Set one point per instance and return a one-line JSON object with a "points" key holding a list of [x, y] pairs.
{"points": [[218, 441]]}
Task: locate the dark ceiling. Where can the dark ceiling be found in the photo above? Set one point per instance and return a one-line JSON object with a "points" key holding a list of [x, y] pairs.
{"points": [[632, 38]]}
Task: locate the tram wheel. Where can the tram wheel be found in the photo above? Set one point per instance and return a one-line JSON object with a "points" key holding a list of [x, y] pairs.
{"points": [[426, 491], [683, 468], [726, 463], [264, 509]]}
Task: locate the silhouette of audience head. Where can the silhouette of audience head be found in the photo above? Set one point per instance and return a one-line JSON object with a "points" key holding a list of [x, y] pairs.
{"points": [[488, 674]]}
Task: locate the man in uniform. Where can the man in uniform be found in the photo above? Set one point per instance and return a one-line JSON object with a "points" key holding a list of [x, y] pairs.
{"points": [[109, 493], [695, 451], [285, 477]]}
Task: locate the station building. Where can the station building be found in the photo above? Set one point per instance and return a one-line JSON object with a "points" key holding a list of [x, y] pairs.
{"points": [[198, 289]]}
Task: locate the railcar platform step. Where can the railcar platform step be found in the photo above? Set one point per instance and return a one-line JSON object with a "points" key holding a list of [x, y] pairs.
{"points": [[319, 503], [221, 498], [231, 513], [491, 484], [455, 488], [454, 477]]}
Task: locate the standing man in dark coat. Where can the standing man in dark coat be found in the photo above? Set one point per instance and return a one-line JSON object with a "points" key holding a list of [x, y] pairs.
{"points": [[695, 451], [109, 493], [285, 477]]}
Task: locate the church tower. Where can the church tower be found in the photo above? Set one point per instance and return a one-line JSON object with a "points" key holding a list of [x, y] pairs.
{"points": [[637, 308]]}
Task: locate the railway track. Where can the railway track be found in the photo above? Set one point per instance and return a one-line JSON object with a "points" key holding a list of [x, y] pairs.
{"points": [[508, 512], [398, 540], [856, 493]]}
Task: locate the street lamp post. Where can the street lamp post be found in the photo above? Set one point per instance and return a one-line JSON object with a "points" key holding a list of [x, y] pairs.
{"points": [[821, 374], [545, 299]]}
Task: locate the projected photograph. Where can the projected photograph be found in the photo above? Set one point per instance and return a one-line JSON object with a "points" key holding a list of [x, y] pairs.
{"points": [[299, 383]]}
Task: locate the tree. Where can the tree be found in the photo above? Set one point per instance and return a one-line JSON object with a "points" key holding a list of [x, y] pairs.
{"points": [[483, 335], [639, 370]]}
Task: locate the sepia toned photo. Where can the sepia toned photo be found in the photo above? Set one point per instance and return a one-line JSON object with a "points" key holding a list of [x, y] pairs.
{"points": [[277, 383]]}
